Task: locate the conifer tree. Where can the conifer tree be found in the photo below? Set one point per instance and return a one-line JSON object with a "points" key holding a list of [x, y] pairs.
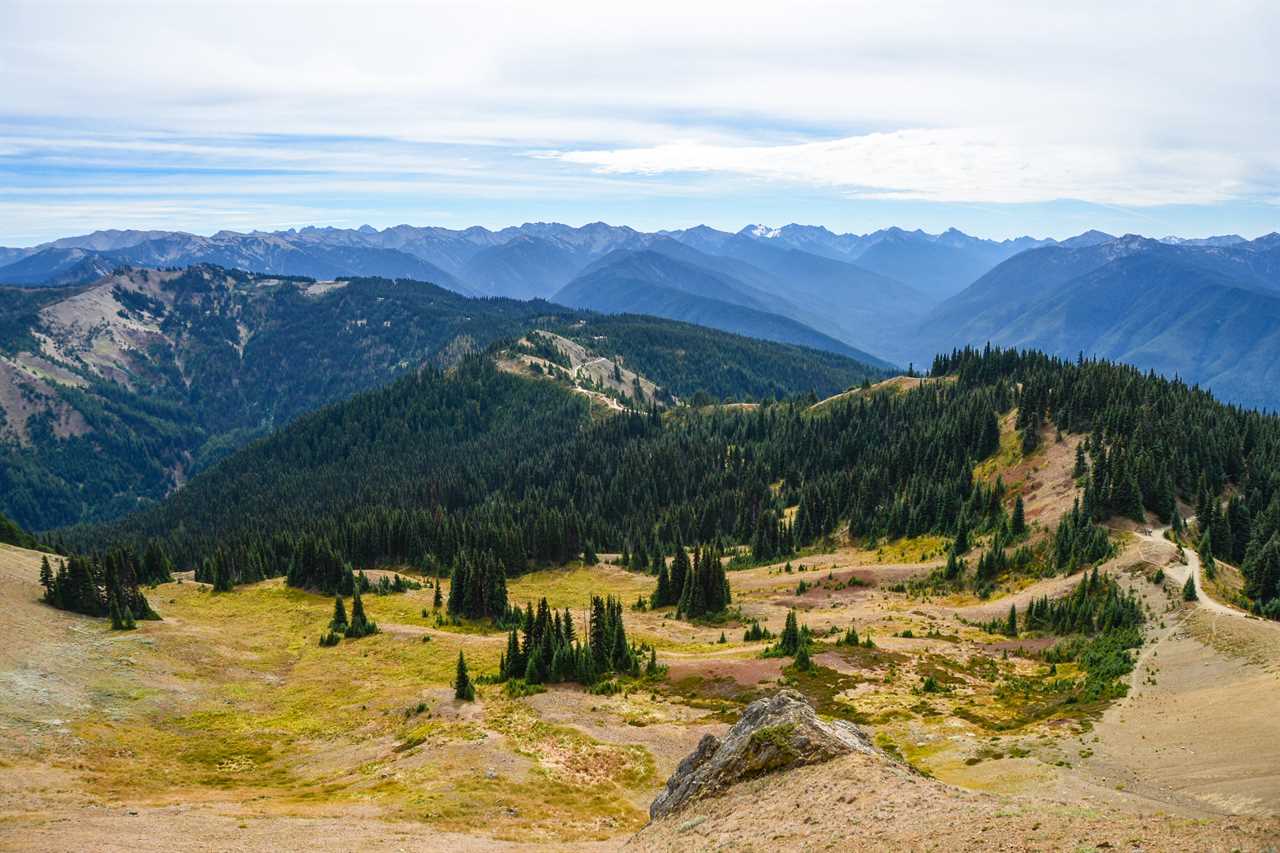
{"points": [[463, 689], [339, 620], [789, 639], [1205, 551], [680, 568], [954, 568], [961, 544], [360, 625], [1018, 524], [46, 578], [662, 592], [1189, 588]]}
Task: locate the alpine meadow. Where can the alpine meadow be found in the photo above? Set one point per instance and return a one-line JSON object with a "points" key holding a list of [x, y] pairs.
{"points": [[338, 510]]}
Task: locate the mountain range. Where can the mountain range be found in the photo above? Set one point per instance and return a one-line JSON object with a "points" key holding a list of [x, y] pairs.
{"points": [[839, 286], [1198, 308], [1208, 312]]}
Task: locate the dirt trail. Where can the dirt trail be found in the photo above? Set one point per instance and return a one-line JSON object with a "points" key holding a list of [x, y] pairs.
{"points": [[1197, 731], [1193, 568]]}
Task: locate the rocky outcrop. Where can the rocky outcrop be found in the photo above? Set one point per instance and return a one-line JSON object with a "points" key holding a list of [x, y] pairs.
{"points": [[774, 734]]}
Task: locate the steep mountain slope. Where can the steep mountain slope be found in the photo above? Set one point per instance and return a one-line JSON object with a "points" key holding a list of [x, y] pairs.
{"points": [[275, 255], [1205, 313], [522, 268], [855, 304], [115, 393], [1008, 291], [666, 266], [79, 260], [56, 266], [934, 268], [648, 282], [937, 265]]}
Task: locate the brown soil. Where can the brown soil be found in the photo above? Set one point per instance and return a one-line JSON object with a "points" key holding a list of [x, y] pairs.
{"points": [[860, 803], [1186, 762]]}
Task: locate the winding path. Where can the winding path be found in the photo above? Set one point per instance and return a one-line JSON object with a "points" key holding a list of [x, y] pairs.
{"points": [[1193, 567]]}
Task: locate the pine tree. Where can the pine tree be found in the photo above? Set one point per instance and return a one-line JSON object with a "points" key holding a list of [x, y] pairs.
{"points": [[463, 689], [1206, 555], [46, 578], [437, 600], [1189, 588], [954, 568], [513, 662], [360, 625], [1011, 624], [662, 593], [339, 620], [1018, 525], [803, 663], [961, 544], [789, 639]]}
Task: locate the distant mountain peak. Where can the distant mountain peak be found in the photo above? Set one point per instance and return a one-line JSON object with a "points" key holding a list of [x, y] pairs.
{"points": [[1092, 237], [1217, 241]]}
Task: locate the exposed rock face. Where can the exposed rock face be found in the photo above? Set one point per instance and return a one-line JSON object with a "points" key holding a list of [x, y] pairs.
{"points": [[775, 733]]}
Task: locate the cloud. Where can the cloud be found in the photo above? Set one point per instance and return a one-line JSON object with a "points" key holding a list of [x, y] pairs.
{"points": [[988, 102], [953, 165]]}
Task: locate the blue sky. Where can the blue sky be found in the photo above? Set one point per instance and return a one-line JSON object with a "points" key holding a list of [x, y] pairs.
{"points": [[998, 119]]}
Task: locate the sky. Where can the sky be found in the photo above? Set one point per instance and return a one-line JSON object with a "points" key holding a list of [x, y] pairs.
{"points": [[1000, 119]]}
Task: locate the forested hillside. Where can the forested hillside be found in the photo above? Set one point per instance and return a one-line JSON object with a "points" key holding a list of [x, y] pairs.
{"points": [[1158, 442], [440, 463], [477, 458], [688, 360], [114, 394]]}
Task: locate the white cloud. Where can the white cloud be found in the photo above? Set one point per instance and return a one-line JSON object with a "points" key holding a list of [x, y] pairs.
{"points": [[1139, 103], [955, 165]]}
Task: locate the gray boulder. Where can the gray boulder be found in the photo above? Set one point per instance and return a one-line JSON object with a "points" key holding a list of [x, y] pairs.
{"points": [[775, 733]]}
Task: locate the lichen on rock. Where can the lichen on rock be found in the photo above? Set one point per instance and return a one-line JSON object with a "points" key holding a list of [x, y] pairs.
{"points": [[774, 733]]}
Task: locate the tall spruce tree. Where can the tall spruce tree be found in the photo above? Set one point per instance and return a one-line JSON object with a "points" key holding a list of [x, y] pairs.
{"points": [[463, 689]]}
